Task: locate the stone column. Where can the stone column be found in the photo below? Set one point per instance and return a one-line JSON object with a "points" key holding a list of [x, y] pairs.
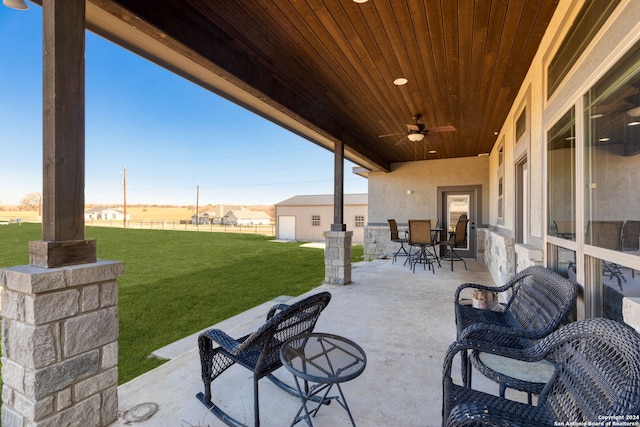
{"points": [[337, 257], [60, 348]]}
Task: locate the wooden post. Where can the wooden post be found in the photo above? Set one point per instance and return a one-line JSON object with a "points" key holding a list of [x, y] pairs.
{"points": [[63, 138], [338, 189]]}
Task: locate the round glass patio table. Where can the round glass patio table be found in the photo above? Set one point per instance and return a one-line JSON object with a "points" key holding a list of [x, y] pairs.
{"points": [[318, 361]]}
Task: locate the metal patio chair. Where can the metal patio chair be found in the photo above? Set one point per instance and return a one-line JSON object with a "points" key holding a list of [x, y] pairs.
{"points": [[596, 377], [459, 240], [395, 237], [420, 236], [259, 352], [608, 235]]}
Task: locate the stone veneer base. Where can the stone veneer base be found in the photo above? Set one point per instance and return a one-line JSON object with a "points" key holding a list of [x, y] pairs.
{"points": [[60, 345]]}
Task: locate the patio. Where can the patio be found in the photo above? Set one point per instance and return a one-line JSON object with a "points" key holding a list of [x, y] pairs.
{"points": [[403, 321]]}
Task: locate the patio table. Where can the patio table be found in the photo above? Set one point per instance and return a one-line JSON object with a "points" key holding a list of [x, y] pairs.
{"points": [[324, 360]]}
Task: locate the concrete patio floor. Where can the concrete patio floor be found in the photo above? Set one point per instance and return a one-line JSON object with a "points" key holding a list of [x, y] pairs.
{"points": [[404, 321]]}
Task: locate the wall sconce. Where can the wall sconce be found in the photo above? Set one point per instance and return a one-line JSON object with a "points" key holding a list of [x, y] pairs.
{"points": [[409, 192], [15, 4]]}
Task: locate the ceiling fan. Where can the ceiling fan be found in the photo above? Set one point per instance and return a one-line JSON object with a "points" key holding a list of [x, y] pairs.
{"points": [[417, 132]]}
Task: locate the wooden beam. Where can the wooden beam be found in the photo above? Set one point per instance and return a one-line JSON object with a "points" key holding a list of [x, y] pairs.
{"points": [[63, 136], [338, 189]]}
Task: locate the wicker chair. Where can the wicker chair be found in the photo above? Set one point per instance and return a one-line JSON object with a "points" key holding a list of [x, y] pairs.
{"points": [[259, 351], [540, 301], [596, 378]]}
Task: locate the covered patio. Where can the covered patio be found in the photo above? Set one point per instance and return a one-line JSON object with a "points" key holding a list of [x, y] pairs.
{"points": [[403, 321], [362, 79]]}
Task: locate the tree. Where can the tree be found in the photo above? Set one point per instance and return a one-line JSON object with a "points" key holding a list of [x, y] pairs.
{"points": [[31, 202]]}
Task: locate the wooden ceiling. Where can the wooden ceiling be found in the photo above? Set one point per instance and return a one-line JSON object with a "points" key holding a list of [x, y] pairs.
{"points": [[325, 68]]}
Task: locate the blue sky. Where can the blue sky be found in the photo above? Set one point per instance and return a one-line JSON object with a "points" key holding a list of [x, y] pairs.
{"points": [[171, 135]]}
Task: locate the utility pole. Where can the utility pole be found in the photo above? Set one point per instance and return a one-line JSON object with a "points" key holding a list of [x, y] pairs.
{"points": [[197, 206], [124, 187]]}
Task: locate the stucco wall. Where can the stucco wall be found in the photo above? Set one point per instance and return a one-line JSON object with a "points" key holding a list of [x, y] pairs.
{"points": [[410, 190]]}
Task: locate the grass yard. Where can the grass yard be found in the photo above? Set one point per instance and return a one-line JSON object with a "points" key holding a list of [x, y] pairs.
{"points": [[177, 283]]}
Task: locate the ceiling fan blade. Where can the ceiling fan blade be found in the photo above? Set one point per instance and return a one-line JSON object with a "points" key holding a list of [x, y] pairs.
{"points": [[442, 129], [432, 138], [402, 140], [391, 134]]}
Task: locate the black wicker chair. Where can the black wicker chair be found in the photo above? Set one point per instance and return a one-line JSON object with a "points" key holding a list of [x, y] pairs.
{"points": [[259, 351], [596, 379], [538, 301]]}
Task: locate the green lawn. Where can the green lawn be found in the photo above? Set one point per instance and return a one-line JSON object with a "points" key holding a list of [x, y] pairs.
{"points": [[177, 283]]}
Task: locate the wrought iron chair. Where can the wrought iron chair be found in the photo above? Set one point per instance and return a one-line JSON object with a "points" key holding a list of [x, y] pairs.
{"points": [[596, 378], [258, 352], [420, 237], [395, 237], [539, 301], [459, 240]]}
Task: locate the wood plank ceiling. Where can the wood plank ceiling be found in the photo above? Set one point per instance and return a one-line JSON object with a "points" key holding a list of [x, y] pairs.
{"points": [[329, 65]]}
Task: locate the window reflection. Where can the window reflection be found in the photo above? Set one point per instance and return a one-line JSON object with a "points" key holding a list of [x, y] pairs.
{"points": [[617, 281], [612, 169], [561, 161], [612, 138], [565, 263]]}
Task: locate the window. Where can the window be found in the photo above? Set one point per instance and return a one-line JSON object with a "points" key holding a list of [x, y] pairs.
{"points": [[561, 176], [589, 20], [612, 147], [521, 124], [359, 221], [611, 173], [500, 177], [500, 199], [315, 220]]}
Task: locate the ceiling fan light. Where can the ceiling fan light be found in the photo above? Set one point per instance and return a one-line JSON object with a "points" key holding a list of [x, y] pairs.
{"points": [[415, 137], [15, 4]]}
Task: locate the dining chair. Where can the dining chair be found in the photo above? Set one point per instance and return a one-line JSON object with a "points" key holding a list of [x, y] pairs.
{"points": [[459, 240], [420, 237], [395, 237]]}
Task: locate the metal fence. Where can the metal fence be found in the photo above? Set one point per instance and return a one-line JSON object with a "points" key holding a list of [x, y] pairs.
{"points": [[266, 230]]}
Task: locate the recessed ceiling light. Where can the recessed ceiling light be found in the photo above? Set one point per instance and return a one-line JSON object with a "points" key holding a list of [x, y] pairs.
{"points": [[605, 139], [634, 112], [432, 151], [633, 123], [360, 1], [496, 133], [400, 81], [596, 116]]}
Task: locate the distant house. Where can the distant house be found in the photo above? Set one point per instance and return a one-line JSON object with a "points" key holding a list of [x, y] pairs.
{"points": [[246, 217], [306, 218], [214, 214], [104, 214]]}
